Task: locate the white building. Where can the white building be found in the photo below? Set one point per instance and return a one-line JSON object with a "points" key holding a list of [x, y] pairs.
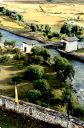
{"points": [[25, 47], [70, 44]]}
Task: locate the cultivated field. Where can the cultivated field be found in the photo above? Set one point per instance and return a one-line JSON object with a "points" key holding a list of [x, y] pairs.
{"points": [[52, 14]]}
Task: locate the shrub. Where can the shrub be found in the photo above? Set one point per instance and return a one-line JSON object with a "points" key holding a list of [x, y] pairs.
{"points": [[9, 43], [34, 72], [33, 27], [47, 29], [37, 59], [4, 59], [45, 53], [19, 57], [34, 96], [41, 85], [54, 34], [16, 80], [49, 36], [63, 68], [78, 112], [16, 50]]}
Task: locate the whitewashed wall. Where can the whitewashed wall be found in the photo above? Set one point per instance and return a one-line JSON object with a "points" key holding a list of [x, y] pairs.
{"points": [[71, 46]]}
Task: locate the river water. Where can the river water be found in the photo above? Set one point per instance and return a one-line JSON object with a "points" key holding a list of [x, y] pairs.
{"points": [[78, 81]]}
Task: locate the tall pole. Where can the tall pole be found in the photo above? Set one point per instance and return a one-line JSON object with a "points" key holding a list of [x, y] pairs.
{"points": [[16, 95]]}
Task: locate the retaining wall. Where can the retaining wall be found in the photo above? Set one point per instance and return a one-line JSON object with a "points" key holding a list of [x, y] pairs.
{"points": [[38, 112]]}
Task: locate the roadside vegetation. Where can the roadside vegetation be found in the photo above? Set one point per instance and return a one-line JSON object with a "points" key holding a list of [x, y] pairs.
{"points": [[39, 79]]}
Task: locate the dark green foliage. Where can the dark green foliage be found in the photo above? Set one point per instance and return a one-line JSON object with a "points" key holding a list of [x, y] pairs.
{"points": [[71, 30], [54, 34], [78, 112], [45, 53], [16, 50], [46, 94], [19, 57], [63, 68], [9, 43], [2, 10], [20, 17], [37, 59], [34, 95], [49, 36], [47, 29], [66, 29], [8, 13], [11, 14], [16, 80], [41, 85], [33, 27], [4, 59], [34, 72]]}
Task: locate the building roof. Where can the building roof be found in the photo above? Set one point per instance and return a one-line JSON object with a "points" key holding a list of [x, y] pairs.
{"points": [[71, 39]]}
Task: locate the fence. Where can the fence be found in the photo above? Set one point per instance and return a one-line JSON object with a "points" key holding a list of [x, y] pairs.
{"points": [[38, 112]]}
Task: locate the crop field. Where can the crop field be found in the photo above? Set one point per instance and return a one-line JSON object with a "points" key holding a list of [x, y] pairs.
{"points": [[52, 14]]}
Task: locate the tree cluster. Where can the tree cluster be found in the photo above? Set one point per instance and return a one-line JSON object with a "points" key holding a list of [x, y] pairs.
{"points": [[12, 14], [71, 30], [10, 44]]}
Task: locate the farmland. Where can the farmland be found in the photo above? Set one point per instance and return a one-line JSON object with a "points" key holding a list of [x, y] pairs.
{"points": [[51, 14]]}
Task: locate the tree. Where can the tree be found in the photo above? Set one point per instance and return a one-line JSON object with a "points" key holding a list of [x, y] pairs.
{"points": [[9, 43], [55, 34], [34, 72], [34, 95], [46, 94], [4, 59], [47, 29], [37, 59], [20, 17], [19, 57], [49, 36], [66, 29], [33, 27], [41, 51], [41, 85], [63, 68]]}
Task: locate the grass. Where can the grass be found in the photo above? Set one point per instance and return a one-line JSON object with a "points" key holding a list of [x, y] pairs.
{"points": [[79, 52], [7, 72]]}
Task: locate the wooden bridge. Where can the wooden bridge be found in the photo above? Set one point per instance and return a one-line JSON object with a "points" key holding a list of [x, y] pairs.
{"points": [[54, 45]]}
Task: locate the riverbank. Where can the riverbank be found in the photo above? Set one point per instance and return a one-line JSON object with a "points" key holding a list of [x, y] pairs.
{"points": [[21, 35], [71, 55]]}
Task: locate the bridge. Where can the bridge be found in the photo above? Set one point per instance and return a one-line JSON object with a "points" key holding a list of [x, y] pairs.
{"points": [[54, 45]]}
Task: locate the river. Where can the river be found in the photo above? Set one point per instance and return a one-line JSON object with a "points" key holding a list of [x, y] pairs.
{"points": [[78, 81]]}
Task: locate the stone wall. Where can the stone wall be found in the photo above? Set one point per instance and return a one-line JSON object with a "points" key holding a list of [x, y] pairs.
{"points": [[38, 112]]}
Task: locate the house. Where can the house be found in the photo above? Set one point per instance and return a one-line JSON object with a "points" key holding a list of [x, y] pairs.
{"points": [[70, 44], [23, 46]]}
